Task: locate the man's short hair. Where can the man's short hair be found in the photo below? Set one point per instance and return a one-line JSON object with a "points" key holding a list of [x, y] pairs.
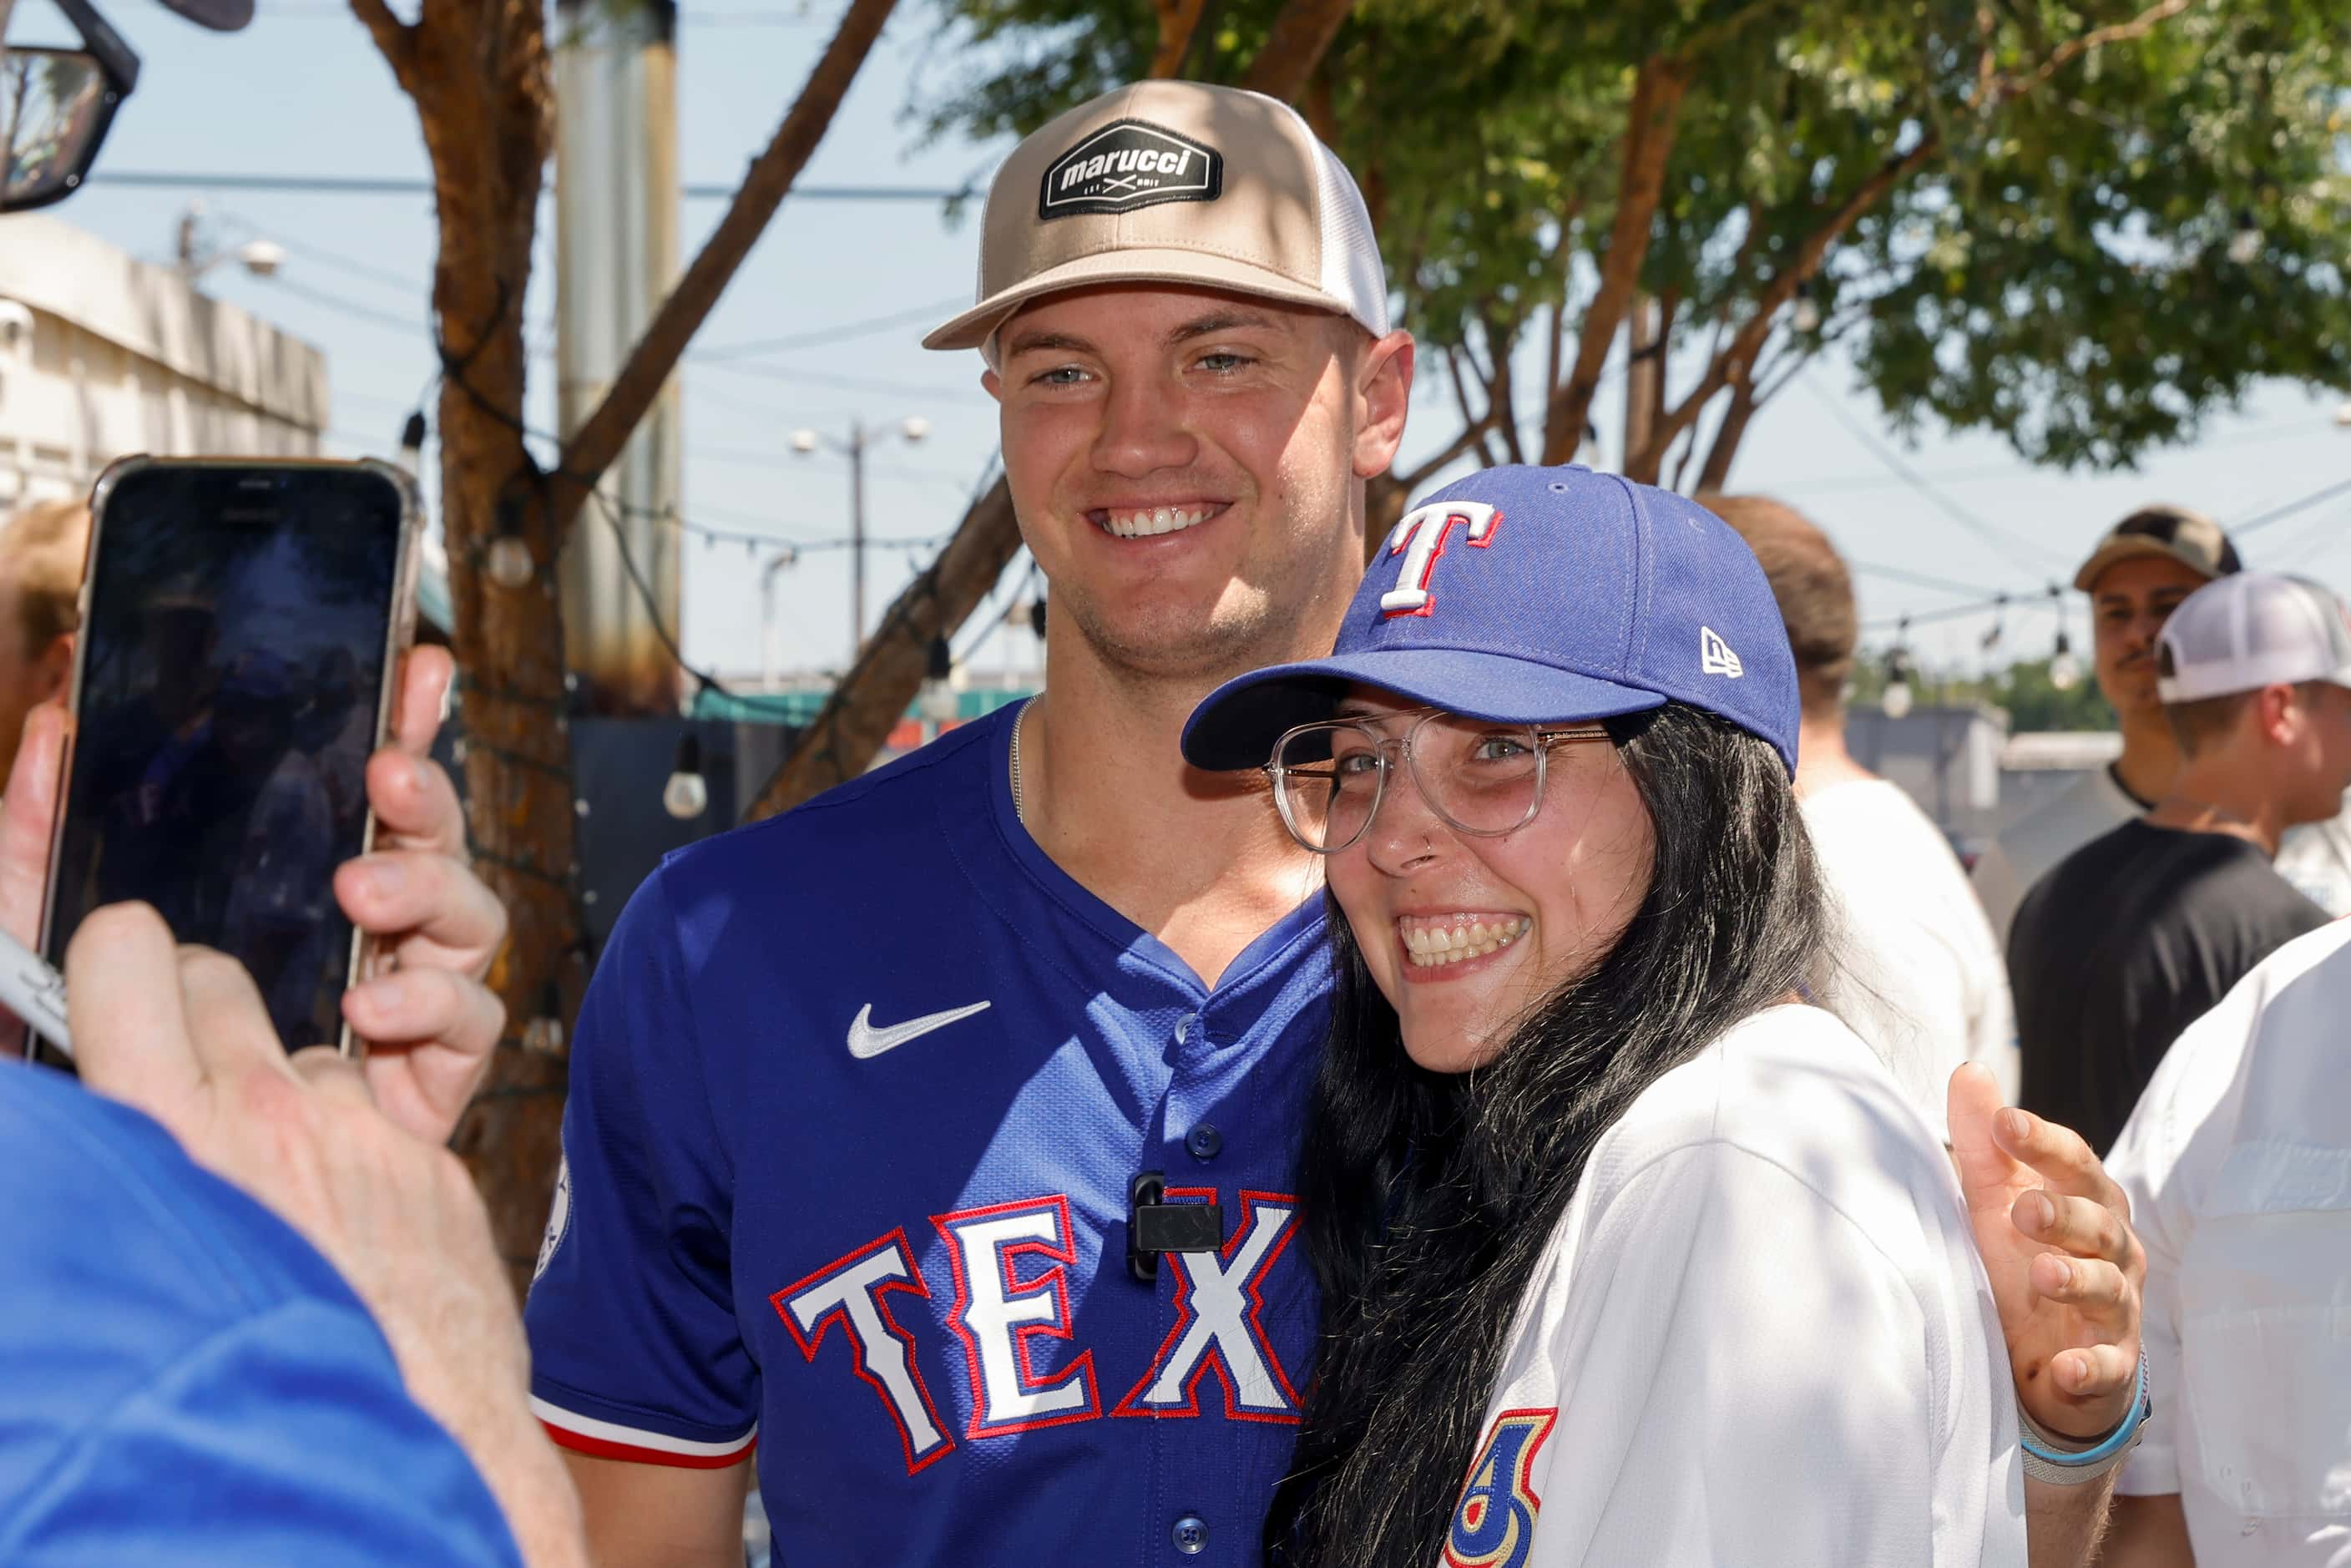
{"points": [[2207, 723], [1812, 586], [42, 549]]}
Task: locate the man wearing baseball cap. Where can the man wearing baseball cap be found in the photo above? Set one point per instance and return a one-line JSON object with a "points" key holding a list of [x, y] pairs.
{"points": [[940, 1134], [2136, 576], [2143, 929]]}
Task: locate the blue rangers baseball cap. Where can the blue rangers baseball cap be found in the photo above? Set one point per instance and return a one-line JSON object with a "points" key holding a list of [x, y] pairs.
{"points": [[1536, 595]]}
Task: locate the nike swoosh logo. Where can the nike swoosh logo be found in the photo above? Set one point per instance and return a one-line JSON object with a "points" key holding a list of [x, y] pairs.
{"points": [[866, 1042]]}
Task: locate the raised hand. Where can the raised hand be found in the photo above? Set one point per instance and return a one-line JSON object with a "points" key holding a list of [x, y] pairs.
{"points": [[429, 1021], [2065, 1269]]}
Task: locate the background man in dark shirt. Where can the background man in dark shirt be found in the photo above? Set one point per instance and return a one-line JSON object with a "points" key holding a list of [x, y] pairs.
{"points": [[2140, 932]]}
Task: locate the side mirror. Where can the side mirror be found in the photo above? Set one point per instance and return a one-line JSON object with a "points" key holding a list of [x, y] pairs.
{"points": [[55, 108]]}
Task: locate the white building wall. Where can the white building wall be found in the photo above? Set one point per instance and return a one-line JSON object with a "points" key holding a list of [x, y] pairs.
{"points": [[102, 355]]}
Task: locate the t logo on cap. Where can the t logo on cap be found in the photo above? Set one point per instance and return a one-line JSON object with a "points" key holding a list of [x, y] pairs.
{"points": [[1421, 538]]}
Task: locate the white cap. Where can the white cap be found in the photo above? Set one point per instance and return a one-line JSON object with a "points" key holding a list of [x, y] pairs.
{"points": [[2251, 630]]}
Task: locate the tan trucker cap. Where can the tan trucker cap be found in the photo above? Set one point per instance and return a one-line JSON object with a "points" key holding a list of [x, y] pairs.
{"points": [[1174, 182], [2191, 539]]}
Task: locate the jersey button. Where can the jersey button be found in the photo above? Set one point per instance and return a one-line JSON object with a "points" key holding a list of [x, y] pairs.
{"points": [[1190, 1535], [1205, 1142], [1184, 1027]]}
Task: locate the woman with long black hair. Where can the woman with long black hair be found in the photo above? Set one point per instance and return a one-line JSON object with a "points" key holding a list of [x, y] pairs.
{"points": [[1627, 1255]]}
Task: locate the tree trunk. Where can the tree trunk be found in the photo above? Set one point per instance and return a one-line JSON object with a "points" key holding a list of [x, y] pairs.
{"points": [[479, 77], [1650, 126], [1301, 36], [862, 709], [478, 73], [1177, 20]]}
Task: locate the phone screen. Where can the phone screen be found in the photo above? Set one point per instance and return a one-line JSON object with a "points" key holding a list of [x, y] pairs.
{"points": [[232, 673]]}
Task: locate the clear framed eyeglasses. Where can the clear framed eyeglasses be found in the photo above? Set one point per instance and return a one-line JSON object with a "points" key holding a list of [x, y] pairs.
{"points": [[1483, 777]]}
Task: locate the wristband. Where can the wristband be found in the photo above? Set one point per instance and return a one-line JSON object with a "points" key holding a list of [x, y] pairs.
{"points": [[2046, 1460]]}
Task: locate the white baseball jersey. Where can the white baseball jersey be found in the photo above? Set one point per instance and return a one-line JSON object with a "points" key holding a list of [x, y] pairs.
{"points": [[1762, 1336], [1913, 968], [2238, 1163]]}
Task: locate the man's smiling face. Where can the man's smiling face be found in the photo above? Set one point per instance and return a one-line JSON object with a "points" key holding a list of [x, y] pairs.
{"points": [[1182, 461]]}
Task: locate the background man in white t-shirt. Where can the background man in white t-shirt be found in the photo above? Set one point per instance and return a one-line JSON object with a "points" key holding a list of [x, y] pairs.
{"points": [[2238, 1164], [1915, 972], [2138, 574]]}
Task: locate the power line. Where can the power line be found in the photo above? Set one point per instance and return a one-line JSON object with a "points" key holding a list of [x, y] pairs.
{"points": [[1918, 482], [409, 185], [407, 326], [824, 334], [2280, 514], [1920, 580]]}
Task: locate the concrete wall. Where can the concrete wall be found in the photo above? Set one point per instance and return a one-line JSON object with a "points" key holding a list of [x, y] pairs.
{"points": [[102, 354]]}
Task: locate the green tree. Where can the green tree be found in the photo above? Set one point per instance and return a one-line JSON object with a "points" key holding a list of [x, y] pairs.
{"points": [[2082, 227], [2034, 702]]}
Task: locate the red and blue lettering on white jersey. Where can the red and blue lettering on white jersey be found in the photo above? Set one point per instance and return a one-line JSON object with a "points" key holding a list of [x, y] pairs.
{"points": [[856, 1099]]}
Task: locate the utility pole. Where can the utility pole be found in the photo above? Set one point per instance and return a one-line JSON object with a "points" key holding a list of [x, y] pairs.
{"points": [[911, 430], [616, 258]]}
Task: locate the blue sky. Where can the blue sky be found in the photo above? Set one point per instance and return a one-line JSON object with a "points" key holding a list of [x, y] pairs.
{"points": [[302, 91]]}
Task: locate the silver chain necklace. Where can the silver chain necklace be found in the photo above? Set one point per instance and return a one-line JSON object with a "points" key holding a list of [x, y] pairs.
{"points": [[1018, 815]]}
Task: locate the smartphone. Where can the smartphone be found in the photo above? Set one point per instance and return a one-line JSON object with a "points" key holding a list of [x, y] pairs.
{"points": [[243, 624]]}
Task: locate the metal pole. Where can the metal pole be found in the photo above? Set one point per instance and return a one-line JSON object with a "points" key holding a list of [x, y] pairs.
{"points": [[856, 540]]}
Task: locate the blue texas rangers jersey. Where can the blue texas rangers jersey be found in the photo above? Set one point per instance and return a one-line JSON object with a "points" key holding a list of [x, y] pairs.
{"points": [[857, 1095]]}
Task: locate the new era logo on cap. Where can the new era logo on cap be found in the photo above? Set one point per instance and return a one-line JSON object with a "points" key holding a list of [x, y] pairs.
{"points": [[1715, 657], [1129, 165]]}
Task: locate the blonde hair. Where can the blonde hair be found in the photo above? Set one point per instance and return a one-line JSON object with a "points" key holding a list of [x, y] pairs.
{"points": [[42, 549]]}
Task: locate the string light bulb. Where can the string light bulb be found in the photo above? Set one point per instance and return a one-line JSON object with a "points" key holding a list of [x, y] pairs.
{"points": [[509, 560], [1807, 315], [2065, 670], [544, 1034], [687, 794], [1898, 671], [2245, 245]]}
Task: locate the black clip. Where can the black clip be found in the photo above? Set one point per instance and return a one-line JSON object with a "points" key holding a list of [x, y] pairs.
{"points": [[1153, 1226]]}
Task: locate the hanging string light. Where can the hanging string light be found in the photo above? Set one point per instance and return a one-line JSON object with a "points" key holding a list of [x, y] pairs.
{"points": [[687, 794], [2065, 670], [1900, 673]]}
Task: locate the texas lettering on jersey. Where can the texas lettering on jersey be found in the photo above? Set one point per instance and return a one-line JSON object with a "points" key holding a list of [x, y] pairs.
{"points": [[1010, 1293]]}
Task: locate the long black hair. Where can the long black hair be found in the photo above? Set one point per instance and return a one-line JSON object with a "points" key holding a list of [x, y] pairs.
{"points": [[1430, 1199]]}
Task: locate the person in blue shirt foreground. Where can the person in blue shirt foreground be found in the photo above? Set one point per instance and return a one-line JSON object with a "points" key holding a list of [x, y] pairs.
{"points": [[939, 1138], [255, 1313]]}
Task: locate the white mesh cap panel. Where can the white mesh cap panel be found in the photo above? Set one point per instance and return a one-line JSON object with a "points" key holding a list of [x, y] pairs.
{"points": [[2242, 633], [1351, 256]]}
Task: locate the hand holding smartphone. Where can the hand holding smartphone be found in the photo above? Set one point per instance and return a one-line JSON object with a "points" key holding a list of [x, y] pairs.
{"points": [[243, 624]]}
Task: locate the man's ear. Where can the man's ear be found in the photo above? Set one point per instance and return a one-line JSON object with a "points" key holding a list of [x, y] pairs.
{"points": [[1382, 394], [54, 668]]}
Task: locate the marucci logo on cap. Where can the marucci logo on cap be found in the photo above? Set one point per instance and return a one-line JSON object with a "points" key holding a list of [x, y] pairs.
{"points": [[1129, 165]]}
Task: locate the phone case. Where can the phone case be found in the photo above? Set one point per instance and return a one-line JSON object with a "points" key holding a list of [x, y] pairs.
{"points": [[400, 637]]}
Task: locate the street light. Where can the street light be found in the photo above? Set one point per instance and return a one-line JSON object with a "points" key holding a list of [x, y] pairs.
{"points": [[911, 431], [195, 254]]}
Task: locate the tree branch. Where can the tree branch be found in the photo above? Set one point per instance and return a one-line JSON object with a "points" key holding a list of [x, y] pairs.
{"points": [[1178, 19], [394, 39], [2073, 49], [857, 717], [1650, 128], [1748, 342], [1301, 36], [598, 441]]}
